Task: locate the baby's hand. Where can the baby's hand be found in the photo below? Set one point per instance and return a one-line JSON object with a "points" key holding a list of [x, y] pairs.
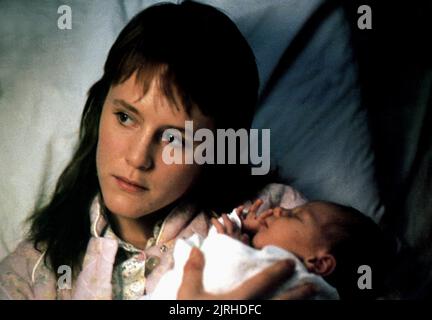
{"points": [[229, 228], [251, 222]]}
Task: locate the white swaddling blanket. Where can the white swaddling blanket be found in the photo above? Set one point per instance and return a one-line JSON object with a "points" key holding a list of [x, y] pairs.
{"points": [[229, 262]]}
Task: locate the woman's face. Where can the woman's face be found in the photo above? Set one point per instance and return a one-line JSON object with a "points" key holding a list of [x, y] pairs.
{"points": [[133, 178]]}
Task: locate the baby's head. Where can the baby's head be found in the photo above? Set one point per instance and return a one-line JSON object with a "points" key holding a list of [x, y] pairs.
{"points": [[332, 241]]}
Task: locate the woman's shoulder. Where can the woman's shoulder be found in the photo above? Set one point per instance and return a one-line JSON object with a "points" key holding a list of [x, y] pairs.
{"points": [[17, 271], [24, 256], [25, 249]]}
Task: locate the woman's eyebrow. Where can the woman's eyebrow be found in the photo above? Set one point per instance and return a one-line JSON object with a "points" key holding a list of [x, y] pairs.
{"points": [[131, 108]]}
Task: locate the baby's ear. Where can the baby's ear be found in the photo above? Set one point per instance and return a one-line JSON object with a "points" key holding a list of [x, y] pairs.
{"points": [[323, 264]]}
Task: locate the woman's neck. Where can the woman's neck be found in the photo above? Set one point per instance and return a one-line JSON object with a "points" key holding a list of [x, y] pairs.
{"points": [[138, 231]]}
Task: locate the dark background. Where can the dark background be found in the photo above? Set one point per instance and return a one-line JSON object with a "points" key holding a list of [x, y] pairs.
{"points": [[396, 80]]}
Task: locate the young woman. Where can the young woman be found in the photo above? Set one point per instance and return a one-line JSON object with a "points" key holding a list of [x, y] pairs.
{"points": [[118, 207]]}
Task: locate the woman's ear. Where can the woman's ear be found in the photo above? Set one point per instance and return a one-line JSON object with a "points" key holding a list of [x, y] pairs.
{"points": [[323, 265]]}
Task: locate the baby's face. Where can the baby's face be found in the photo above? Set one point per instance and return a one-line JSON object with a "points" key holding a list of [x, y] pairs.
{"points": [[297, 230]]}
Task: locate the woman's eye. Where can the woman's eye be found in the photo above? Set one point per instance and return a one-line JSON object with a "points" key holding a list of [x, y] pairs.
{"points": [[122, 117], [173, 138]]}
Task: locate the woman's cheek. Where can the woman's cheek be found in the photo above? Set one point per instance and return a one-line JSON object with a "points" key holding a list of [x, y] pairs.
{"points": [[182, 176], [104, 151]]}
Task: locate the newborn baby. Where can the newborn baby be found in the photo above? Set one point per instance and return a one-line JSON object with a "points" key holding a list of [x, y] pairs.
{"points": [[321, 238]]}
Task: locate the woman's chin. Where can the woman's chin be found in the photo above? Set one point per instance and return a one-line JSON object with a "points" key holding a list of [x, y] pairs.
{"points": [[130, 206], [126, 208]]}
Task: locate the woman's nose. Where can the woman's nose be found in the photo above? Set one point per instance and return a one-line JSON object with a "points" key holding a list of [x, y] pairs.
{"points": [[140, 153]]}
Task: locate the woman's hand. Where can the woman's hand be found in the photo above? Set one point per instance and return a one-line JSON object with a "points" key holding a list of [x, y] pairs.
{"points": [[253, 288]]}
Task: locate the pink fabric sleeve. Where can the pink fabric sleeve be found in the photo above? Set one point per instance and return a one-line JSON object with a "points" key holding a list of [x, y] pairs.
{"points": [[15, 273]]}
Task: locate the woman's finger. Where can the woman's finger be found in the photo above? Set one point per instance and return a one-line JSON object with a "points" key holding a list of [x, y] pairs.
{"points": [[264, 282], [219, 226], [192, 282], [300, 292]]}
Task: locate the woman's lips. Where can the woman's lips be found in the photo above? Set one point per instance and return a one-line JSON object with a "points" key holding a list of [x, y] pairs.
{"points": [[128, 185]]}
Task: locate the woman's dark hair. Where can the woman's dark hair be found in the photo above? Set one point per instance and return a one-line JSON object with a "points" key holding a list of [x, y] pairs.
{"points": [[202, 59]]}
